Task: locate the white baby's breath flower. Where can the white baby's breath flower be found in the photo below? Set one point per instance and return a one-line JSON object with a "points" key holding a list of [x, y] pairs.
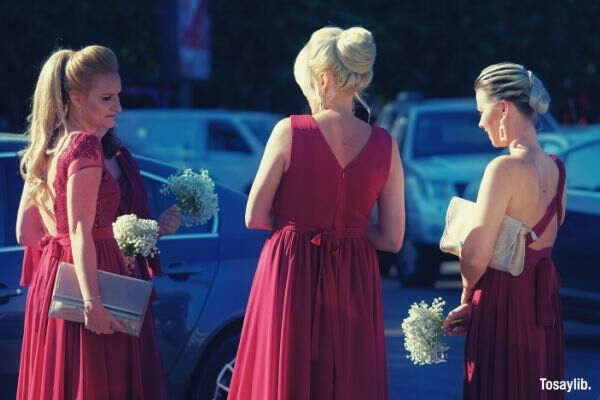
{"points": [[136, 236], [423, 333], [195, 195]]}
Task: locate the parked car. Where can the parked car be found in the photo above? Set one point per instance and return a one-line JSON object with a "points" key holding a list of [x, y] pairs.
{"points": [[228, 143], [576, 252], [202, 292], [443, 150]]}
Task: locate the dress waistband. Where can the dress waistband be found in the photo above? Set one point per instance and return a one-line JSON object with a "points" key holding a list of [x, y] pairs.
{"points": [[63, 239], [320, 233]]}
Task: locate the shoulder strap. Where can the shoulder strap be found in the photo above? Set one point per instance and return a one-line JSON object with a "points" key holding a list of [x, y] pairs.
{"points": [[383, 149], [301, 125], [561, 187]]}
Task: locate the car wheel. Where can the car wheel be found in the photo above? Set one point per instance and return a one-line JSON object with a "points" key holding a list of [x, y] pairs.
{"points": [[417, 266], [213, 375]]}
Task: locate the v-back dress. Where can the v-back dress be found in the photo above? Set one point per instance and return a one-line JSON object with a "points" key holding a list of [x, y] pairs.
{"points": [[515, 335], [62, 359], [314, 327]]}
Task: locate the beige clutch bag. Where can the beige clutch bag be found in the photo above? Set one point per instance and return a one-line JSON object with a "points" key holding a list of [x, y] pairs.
{"points": [[124, 297], [509, 253]]}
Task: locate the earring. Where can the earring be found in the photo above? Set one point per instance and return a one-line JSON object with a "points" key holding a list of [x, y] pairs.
{"points": [[502, 130]]}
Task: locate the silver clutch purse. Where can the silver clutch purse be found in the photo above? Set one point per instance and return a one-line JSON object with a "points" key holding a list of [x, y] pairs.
{"points": [[124, 297], [509, 252]]}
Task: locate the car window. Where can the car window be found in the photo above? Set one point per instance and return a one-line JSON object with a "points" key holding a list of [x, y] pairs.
{"points": [[11, 185], [260, 127], [161, 138], [581, 165], [223, 136], [449, 132], [157, 202]]}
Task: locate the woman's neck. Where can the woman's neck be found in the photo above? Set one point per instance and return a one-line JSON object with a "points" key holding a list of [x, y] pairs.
{"points": [[75, 124], [341, 104], [524, 136]]}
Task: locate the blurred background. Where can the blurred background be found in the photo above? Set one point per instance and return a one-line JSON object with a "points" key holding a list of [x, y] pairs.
{"points": [[204, 81], [239, 54]]}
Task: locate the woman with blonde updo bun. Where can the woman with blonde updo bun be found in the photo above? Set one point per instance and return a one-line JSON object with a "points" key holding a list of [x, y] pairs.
{"points": [[71, 197], [513, 324], [314, 327]]}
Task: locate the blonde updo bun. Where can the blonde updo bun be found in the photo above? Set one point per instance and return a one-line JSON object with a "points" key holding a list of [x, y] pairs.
{"points": [[539, 99], [349, 54], [356, 49]]}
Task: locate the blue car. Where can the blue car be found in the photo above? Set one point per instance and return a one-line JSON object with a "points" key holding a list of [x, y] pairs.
{"points": [[202, 292], [576, 251]]}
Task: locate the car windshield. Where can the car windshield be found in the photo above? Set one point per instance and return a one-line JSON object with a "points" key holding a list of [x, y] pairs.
{"points": [[261, 127], [449, 132]]}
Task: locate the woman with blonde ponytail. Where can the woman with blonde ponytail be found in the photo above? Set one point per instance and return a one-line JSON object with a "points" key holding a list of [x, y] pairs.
{"points": [[71, 196], [313, 327]]}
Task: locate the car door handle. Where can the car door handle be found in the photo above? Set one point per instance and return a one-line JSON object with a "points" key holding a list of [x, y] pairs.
{"points": [[6, 293], [176, 265]]}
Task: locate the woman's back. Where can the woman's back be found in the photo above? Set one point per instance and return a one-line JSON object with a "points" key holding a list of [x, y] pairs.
{"points": [[535, 178], [330, 183]]}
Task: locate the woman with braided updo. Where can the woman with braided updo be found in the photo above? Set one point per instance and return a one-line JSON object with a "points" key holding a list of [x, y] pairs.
{"points": [[513, 324], [314, 327]]}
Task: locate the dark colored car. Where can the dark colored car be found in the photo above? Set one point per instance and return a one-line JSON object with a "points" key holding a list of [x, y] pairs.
{"points": [[576, 251], [202, 293]]}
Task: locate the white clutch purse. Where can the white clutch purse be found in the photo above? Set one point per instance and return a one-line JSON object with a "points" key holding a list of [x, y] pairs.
{"points": [[124, 297], [509, 252]]}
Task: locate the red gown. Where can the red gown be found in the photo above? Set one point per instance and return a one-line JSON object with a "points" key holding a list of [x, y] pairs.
{"points": [[516, 332], [314, 325], [62, 359]]}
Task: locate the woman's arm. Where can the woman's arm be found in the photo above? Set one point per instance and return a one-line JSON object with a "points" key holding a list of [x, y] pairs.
{"points": [[493, 198], [29, 226], [82, 194], [388, 233], [273, 165]]}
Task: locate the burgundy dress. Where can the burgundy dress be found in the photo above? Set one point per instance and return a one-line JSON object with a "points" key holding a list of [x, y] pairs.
{"points": [[62, 359], [314, 325], [516, 332]]}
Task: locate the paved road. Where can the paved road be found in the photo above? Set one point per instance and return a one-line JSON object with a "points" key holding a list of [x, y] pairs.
{"points": [[444, 381]]}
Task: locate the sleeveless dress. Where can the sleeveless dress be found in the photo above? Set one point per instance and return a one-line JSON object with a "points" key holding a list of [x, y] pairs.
{"points": [[62, 359], [314, 325], [515, 335]]}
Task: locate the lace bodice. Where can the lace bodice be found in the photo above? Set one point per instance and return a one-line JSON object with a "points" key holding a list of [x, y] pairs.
{"points": [[84, 151]]}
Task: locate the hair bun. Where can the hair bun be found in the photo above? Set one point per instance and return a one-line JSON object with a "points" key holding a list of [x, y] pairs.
{"points": [[356, 49], [539, 99]]}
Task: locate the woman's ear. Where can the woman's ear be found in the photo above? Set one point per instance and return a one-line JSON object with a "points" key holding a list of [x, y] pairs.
{"points": [[76, 98]]}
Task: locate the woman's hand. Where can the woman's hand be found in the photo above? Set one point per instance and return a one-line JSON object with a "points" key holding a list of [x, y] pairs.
{"points": [[457, 320], [98, 320], [169, 221]]}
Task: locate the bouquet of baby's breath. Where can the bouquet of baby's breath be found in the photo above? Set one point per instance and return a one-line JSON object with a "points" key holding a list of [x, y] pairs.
{"points": [[136, 236], [423, 333], [195, 195]]}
